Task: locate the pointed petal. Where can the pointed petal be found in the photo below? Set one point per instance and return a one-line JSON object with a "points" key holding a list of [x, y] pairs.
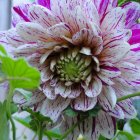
{"points": [[75, 92], [46, 74], [54, 108], [86, 128], [94, 88], [107, 98], [110, 71], [62, 90], [115, 51], [132, 13], [115, 19], [83, 103], [43, 16], [128, 109], [32, 32], [117, 112], [37, 97], [106, 124], [49, 91]]}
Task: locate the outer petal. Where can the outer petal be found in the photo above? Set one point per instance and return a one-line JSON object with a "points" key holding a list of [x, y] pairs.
{"points": [[45, 3], [75, 92], [128, 109], [13, 38], [37, 97], [62, 90], [91, 12], [106, 124], [20, 13], [117, 112], [107, 98], [135, 36], [94, 88], [83, 103], [133, 13], [115, 19], [104, 6], [114, 51], [49, 91], [110, 71], [86, 128], [43, 16], [32, 32], [53, 108]]}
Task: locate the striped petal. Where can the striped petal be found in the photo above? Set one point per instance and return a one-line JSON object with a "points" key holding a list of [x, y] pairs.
{"points": [[107, 98], [94, 88], [91, 12], [75, 92], [83, 103], [135, 37], [42, 16], [114, 51], [53, 109], [37, 97], [132, 13], [32, 32], [62, 90], [117, 112], [110, 71], [115, 19], [128, 109], [85, 128], [106, 124], [49, 91]]}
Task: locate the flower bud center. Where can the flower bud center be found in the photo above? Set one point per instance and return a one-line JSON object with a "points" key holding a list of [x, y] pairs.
{"points": [[73, 66]]}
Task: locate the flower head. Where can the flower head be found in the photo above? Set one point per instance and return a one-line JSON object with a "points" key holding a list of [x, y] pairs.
{"points": [[87, 55]]}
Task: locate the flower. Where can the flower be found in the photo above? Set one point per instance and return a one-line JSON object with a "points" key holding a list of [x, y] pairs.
{"points": [[87, 52]]}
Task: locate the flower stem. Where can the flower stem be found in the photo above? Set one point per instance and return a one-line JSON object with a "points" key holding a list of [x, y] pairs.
{"points": [[128, 96], [40, 132], [72, 128], [8, 109]]}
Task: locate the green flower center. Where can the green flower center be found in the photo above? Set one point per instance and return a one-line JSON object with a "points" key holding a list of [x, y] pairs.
{"points": [[73, 67]]}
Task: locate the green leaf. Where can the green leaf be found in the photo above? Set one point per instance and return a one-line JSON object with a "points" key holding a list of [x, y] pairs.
{"points": [[20, 74], [102, 138], [135, 126], [70, 112], [94, 111], [2, 51], [4, 128], [122, 135]]}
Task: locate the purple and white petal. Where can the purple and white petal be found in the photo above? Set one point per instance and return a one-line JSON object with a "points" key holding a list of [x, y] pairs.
{"points": [[32, 32], [107, 98], [83, 103], [115, 19], [49, 91], [94, 88], [132, 13], [115, 51], [45, 3], [53, 109], [75, 92], [128, 109], [43, 16], [61, 89], [37, 97], [85, 128], [117, 112], [106, 124]]}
